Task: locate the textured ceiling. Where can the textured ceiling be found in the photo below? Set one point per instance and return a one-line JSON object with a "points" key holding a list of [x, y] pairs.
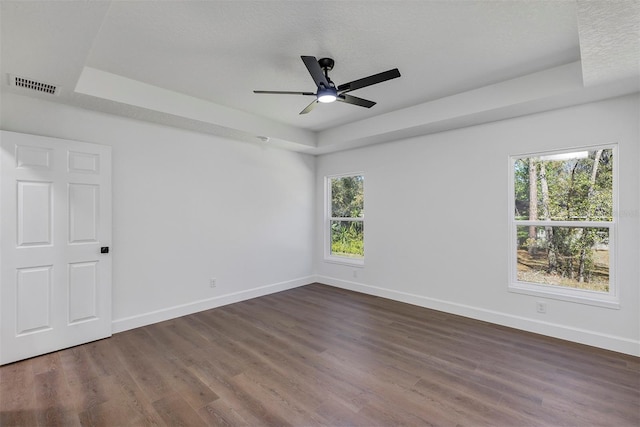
{"points": [[609, 39], [180, 62]]}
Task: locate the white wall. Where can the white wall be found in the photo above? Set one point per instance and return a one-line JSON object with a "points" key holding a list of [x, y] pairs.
{"points": [[188, 207], [436, 231]]}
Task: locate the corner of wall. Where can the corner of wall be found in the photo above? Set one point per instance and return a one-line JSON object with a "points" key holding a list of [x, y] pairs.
{"points": [[144, 319]]}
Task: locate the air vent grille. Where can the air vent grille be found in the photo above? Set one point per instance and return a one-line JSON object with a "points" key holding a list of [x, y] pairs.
{"points": [[34, 85]]}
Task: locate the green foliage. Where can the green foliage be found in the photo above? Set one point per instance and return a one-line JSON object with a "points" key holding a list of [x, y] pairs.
{"points": [[347, 238], [569, 182], [521, 187], [573, 194], [347, 197], [347, 201]]}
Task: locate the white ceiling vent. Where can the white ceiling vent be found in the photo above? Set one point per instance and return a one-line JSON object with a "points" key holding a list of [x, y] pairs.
{"points": [[33, 85]]}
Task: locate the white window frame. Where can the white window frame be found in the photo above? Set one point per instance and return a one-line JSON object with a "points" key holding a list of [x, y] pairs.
{"points": [[610, 299], [328, 256]]}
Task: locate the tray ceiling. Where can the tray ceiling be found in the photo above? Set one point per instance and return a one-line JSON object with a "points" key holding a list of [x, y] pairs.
{"points": [[194, 64]]}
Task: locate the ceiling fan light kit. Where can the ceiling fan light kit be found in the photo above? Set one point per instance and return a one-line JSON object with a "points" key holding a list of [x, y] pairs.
{"points": [[326, 91], [327, 95]]}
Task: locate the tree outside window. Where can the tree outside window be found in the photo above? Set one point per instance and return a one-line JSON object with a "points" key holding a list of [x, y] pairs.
{"points": [[346, 216], [563, 222]]}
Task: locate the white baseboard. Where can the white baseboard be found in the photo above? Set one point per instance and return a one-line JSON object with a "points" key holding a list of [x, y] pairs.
{"points": [[582, 336], [124, 324]]}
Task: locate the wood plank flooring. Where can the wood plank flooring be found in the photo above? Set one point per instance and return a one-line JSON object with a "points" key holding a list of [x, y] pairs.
{"points": [[318, 355]]}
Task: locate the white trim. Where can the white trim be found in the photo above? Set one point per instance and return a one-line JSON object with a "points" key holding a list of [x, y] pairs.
{"points": [[578, 335], [580, 296], [124, 324], [576, 148], [352, 262], [566, 224]]}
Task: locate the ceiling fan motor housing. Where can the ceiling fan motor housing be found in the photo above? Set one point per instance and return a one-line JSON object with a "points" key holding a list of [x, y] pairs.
{"points": [[326, 63]]}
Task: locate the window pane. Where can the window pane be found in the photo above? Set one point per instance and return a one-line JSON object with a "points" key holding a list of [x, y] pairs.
{"points": [[347, 197], [575, 257], [347, 238], [566, 187]]}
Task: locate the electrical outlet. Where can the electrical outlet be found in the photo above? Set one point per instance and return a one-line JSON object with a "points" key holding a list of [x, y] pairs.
{"points": [[541, 307], [212, 282]]}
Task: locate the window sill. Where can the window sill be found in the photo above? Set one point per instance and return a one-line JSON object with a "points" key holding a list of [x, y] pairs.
{"points": [[570, 295], [352, 262]]}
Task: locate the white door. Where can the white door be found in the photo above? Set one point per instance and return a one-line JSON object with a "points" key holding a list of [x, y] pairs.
{"points": [[55, 284]]}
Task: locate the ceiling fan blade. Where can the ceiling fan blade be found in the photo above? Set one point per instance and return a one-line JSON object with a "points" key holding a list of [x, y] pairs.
{"points": [[314, 69], [368, 81], [309, 107], [355, 101], [281, 92]]}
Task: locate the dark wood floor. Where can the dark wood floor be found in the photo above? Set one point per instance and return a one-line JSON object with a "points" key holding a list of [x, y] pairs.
{"points": [[318, 355]]}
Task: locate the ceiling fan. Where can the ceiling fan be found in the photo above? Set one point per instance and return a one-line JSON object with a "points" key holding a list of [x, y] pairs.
{"points": [[327, 90]]}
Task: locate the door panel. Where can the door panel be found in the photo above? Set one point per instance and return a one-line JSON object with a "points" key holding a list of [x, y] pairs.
{"points": [[83, 284], [33, 299], [29, 157], [55, 285], [83, 213], [84, 162], [34, 213]]}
